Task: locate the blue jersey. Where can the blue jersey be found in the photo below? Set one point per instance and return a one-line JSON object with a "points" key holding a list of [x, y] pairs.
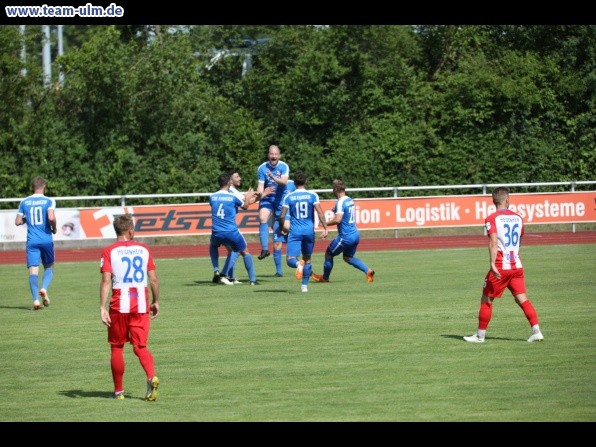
{"points": [[347, 227], [280, 170], [301, 209], [224, 207], [35, 211], [290, 187]]}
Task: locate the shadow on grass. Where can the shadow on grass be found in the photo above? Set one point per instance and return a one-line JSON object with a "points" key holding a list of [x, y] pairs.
{"points": [[488, 339], [75, 394], [19, 307]]}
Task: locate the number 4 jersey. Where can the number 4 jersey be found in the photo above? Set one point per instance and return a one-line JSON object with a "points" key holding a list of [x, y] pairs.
{"points": [[128, 262], [509, 227]]}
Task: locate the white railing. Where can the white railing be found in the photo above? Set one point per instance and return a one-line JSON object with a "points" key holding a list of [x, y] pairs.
{"points": [[395, 190]]}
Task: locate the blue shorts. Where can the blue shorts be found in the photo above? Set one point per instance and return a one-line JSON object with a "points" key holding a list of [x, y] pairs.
{"points": [[340, 245], [268, 204], [40, 252], [232, 239], [277, 236], [300, 244]]}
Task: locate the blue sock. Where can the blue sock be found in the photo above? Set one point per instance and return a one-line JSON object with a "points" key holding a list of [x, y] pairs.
{"points": [[214, 255], [231, 261], [264, 236], [292, 262], [358, 264], [327, 267], [34, 286], [226, 266], [48, 275], [306, 272], [250, 267], [277, 259]]}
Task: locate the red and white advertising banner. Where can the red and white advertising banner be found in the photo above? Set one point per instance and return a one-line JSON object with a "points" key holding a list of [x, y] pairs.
{"points": [[371, 214]]}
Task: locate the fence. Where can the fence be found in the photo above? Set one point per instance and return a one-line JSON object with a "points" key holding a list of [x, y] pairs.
{"points": [[391, 212]]}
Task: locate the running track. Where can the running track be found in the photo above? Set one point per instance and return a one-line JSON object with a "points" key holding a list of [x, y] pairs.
{"points": [[403, 243]]}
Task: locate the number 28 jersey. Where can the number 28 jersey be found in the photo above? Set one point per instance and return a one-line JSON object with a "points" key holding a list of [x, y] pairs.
{"points": [[509, 227], [128, 262]]}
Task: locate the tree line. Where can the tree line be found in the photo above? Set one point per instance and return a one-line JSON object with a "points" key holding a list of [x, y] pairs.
{"points": [[165, 109]]}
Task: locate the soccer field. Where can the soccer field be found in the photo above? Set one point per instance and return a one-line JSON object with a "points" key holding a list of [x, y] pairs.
{"points": [[347, 351]]}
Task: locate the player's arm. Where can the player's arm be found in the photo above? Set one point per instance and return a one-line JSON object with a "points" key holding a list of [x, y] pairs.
{"points": [[261, 188], [336, 219], [249, 198], [154, 284], [19, 220], [52, 220], [321, 215], [105, 287], [282, 180], [267, 191], [493, 248]]}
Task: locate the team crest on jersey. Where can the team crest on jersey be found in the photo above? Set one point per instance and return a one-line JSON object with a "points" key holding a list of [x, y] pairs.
{"points": [[487, 226]]}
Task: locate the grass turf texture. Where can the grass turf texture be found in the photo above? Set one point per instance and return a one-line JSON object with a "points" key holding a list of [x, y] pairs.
{"points": [[345, 351]]}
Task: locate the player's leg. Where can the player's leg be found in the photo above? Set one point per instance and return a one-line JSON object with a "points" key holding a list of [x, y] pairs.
{"points": [[278, 240], [117, 338], [335, 248], [517, 286], [214, 244], [240, 247], [33, 261], [491, 288], [307, 247], [265, 213], [292, 252]]}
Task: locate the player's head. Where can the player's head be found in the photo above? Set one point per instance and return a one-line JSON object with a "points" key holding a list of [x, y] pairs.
{"points": [[338, 186], [299, 178], [124, 223], [223, 179], [38, 184], [273, 154], [501, 196], [235, 178]]}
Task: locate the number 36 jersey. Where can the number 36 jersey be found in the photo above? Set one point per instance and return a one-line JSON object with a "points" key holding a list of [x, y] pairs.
{"points": [[128, 262], [509, 227]]}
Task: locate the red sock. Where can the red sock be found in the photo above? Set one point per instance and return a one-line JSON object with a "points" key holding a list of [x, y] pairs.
{"points": [[484, 315], [530, 312], [146, 360], [117, 364]]}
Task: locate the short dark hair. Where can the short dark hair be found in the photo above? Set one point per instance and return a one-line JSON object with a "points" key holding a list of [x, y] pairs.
{"points": [[233, 171], [300, 178], [223, 179], [500, 194], [339, 185]]}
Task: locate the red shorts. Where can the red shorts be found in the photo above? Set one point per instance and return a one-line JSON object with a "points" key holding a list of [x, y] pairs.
{"points": [[511, 279], [129, 327]]}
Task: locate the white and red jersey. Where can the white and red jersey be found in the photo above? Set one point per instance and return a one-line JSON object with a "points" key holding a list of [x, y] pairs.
{"points": [[128, 262], [509, 227]]}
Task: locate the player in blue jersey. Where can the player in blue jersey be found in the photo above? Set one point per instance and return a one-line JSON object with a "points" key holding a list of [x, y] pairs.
{"points": [[301, 205], [227, 273], [281, 237], [224, 229], [38, 212], [276, 173], [347, 238]]}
